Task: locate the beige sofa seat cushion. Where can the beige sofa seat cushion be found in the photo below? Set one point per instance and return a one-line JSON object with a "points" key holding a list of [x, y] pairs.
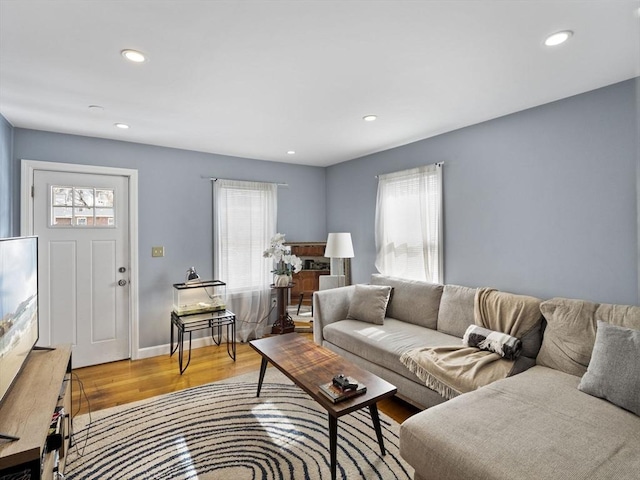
{"points": [[384, 344], [412, 301], [571, 331], [536, 425]]}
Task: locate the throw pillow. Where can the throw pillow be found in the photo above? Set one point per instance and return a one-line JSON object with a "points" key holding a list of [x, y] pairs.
{"points": [[369, 303], [411, 301], [456, 309], [614, 370], [571, 331]]}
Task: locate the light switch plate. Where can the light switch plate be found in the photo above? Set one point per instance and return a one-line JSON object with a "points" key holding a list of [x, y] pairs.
{"points": [[157, 251]]}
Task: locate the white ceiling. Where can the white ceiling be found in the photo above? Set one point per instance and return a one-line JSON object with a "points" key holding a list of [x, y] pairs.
{"points": [[258, 78]]}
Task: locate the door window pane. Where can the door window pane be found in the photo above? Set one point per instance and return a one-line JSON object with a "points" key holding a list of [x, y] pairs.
{"points": [[61, 216], [82, 207], [62, 196], [104, 198], [83, 197]]}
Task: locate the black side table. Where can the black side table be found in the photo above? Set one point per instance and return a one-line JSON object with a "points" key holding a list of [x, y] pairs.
{"points": [[199, 321]]}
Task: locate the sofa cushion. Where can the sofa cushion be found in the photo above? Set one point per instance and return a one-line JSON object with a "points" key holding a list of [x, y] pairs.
{"points": [[534, 426], [383, 344], [614, 369], [456, 310], [412, 301], [532, 340], [369, 303], [571, 331]]}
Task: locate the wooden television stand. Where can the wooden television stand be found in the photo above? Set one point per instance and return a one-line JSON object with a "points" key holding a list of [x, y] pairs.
{"points": [[43, 384]]}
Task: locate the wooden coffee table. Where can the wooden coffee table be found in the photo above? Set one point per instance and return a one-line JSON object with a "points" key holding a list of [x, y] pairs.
{"points": [[309, 365]]}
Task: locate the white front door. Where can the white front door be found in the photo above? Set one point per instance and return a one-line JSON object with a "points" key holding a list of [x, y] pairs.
{"points": [[82, 223]]}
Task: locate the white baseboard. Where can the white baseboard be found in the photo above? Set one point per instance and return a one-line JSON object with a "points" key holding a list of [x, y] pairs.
{"points": [[158, 350]]}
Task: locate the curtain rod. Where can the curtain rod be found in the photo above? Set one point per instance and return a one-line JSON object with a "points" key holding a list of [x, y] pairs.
{"points": [[439, 164], [215, 179]]}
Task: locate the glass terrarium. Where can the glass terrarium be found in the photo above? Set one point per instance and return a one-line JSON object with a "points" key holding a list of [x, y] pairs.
{"points": [[199, 297]]}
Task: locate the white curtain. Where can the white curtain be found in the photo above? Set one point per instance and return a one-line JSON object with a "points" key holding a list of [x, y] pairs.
{"points": [[408, 224], [245, 216]]}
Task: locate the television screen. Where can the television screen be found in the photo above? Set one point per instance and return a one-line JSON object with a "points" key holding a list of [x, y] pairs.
{"points": [[18, 306]]}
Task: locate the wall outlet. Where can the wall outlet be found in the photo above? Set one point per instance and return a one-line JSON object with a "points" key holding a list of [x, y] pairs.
{"points": [[157, 251], [274, 301]]}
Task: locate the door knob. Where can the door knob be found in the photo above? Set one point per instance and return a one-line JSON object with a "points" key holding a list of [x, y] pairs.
{"points": [[122, 282]]}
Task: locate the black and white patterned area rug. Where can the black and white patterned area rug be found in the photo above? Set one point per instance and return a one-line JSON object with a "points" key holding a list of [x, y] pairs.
{"points": [[222, 431]]}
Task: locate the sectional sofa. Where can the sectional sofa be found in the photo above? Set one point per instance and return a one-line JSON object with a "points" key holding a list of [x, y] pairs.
{"points": [[418, 314], [559, 414]]}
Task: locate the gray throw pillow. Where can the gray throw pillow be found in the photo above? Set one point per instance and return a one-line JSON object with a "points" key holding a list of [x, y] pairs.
{"points": [[614, 369], [369, 303]]}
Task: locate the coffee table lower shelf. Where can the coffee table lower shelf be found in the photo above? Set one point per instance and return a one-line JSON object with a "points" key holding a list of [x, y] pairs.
{"points": [[308, 366]]}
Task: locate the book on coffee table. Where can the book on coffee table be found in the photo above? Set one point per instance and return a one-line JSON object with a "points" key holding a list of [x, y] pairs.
{"points": [[337, 394]]}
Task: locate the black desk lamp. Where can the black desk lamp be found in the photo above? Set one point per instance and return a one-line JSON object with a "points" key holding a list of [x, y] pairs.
{"points": [[192, 275]]}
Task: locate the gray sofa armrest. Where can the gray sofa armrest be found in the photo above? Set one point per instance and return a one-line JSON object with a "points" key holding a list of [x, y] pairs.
{"points": [[330, 306]]}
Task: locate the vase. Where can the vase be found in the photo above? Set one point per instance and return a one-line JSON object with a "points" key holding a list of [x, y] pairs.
{"points": [[281, 280]]}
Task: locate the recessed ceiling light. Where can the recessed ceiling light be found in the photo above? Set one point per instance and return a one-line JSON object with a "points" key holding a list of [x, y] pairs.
{"points": [[369, 118], [134, 56], [96, 109], [123, 126], [291, 152], [558, 38]]}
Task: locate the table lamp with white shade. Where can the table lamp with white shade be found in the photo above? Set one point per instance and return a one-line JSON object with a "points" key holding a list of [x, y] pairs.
{"points": [[339, 246]]}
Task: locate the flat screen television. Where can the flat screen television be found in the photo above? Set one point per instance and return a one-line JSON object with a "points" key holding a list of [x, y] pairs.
{"points": [[18, 306]]}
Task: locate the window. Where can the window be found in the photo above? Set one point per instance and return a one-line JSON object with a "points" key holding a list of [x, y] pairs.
{"points": [[246, 213], [244, 222], [81, 207], [408, 227]]}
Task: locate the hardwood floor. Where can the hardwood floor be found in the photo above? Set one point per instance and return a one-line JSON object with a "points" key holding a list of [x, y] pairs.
{"points": [[127, 381]]}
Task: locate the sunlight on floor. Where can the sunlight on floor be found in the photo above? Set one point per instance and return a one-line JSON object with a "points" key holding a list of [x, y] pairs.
{"points": [[185, 458], [259, 412]]}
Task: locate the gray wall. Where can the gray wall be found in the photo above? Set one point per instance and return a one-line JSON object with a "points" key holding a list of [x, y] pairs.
{"points": [[6, 151], [541, 202], [175, 207]]}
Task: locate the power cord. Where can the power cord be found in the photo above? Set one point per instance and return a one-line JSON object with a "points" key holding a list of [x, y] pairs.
{"points": [[74, 376], [258, 322], [212, 296]]}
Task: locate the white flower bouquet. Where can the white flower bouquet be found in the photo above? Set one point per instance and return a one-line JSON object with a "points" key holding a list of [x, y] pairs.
{"points": [[286, 264]]}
